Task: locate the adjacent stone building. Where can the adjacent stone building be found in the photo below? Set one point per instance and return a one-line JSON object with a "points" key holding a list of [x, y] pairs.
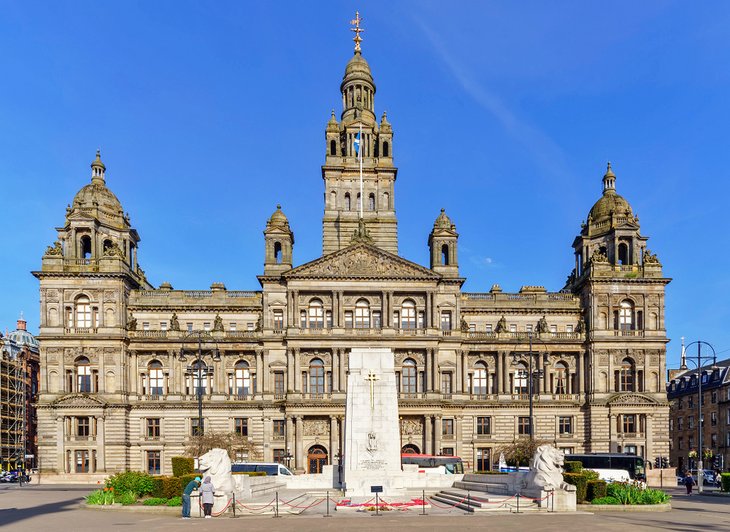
{"points": [[116, 395]]}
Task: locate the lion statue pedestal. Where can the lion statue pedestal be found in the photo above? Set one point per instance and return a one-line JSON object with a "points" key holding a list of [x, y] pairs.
{"points": [[217, 465], [546, 476]]}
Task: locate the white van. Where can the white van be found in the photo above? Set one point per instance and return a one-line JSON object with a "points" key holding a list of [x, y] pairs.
{"points": [[613, 475], [271, 469]]}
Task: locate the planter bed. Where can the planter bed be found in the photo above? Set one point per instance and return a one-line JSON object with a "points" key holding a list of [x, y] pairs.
{"points": [[625, 507]]}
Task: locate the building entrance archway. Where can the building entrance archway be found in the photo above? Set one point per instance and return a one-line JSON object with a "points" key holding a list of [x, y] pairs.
{"points": [[410, 449], [316, 458]]}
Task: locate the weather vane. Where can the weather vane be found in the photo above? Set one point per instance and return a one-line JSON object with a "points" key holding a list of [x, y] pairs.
{"points": [[356, 22]]}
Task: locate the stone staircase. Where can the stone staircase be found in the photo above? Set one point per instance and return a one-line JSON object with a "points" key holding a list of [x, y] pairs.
{"points": [[479, 502], [486, 483]]}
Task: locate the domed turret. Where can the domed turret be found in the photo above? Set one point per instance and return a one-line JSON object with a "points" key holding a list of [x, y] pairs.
{"points": [[96, 195], [610, 202], [279, 243], [278, 218], [443, 222], [442, 242]]}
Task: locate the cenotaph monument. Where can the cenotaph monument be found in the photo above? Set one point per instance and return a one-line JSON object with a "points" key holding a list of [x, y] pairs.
{"points": [[372, 435]]}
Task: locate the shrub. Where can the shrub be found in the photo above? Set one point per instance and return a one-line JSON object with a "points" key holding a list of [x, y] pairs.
{"points": [[580, 482], [135, 481], [126, 498], [571, 466], [182, 465], [595, 489], [157, 487], [725, 479], [175, 501], [155, 501], [606, 500], [251, 473], [589, 475], [172, 487], [624, 492], [96, 497], [652, 496]]}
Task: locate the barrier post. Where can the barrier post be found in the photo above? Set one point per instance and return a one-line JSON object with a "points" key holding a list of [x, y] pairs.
{"points": [[234, 503], [423, 502], [276, 508], [552, 500], [468, 503], [328, 505], [377, 505], [518, 502]]}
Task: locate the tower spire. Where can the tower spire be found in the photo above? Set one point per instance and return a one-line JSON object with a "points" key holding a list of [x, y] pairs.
{"points": [[609, 179], [357, 29], [97, 169]]}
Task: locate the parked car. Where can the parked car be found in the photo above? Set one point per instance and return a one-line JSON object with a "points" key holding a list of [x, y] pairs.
{"points": [[708, 478]]}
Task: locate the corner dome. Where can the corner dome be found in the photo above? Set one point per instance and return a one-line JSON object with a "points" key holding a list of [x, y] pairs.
{"points": [[443, 221], [611, 201], [357, 69], [21, 338], [97, 196], [278, 218]]}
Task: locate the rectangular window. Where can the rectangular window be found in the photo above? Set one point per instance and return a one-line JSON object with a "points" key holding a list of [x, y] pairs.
{"points": [[241, 426], [153, 462], [691, 442], [446, 381], [82, 461], [189, 327], [328, 318], [447, 451], [713, 441], [484, 459], [278, 320], [565, 425], [690, 402], [629, 423], [303, 319], [250, 326], [145, 326], [691, 422], [512, 327], [528, 328], [279, 428], [489, 327], [196, 429], [206, 326], [727, 416], [396, 318], [523, 425], [553, 328], [680, 423], [713, 419], [472, 327], [83, 427], [569, 328], [713, 400], [377, 322], [484, 425], [348, 319], [421, 319], [680, 443], [163, 325], [153, 427], [279, 383], [280, 456], [232, 327], [446, 320], [447, 427], [680, 404]]}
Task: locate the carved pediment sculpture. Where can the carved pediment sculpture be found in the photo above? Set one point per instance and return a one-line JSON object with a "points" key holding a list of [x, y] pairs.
{"points": [[55, 250], [362, 260], [630, 399], [79, 400]]}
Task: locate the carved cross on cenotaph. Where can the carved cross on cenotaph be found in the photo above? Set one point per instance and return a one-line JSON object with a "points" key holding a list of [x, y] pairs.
{"points": [[372, 377]]}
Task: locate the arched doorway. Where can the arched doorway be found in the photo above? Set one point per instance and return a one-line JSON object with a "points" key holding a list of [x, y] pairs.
{"points": [[316, 458], [410, 449]]}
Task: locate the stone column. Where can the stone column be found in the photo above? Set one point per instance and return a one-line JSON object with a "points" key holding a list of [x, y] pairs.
{"points": [[335, 370], [335, 309], [427, 370], [503, 372], [265, 369], [649, 435], [437, 435], [298, 443], [340, 309], [289, 370], [459, 437], [579, 370], [295, 307], [427, 311], [61, 442], [343, 367], [435, 384], [428, 433], [297, 371], [100, 444], [334, 440]]}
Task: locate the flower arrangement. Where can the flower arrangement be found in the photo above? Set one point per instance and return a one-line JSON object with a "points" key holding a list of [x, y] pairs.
{"points": [[708, 454], [692, 454]]}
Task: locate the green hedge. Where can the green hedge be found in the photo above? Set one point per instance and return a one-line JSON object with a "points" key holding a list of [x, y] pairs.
{"points": [[182, 465], [491, 472], [606, 500], [157, 487], [580, 482], [573, 466], [251, 473], [169, 487], [135, 481], [725, 479], [596, 489]]}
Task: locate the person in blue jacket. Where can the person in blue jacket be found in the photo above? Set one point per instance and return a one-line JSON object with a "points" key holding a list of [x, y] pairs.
{"points": [[192, 485]]}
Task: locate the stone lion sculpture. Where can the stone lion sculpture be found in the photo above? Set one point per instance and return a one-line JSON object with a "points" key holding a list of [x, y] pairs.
{"points": [[217, 465], [546, 470]]}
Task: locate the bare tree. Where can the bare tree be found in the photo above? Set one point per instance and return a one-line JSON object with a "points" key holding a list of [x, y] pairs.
{"points": [[520, 452], [235, 444]]}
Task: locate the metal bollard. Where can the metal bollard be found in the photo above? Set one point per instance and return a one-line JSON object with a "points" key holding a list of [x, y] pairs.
{"points": [[518, 502], [468, 503], [328, 506], [552, 501], [377, 505], [276, 508], [234, 503], [423, 502]]}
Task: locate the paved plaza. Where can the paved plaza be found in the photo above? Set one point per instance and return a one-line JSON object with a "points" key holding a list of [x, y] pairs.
{"points": [[58, 508]]}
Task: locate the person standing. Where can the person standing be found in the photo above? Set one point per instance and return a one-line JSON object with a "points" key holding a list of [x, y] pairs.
{"points": [[689, 482], [206, 492], [192, 485]]}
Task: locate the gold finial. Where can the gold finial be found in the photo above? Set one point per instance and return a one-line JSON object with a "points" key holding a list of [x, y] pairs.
{"points": [[356, 22]]}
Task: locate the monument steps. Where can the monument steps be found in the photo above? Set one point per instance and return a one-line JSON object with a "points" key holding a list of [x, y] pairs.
{"points": [[469, 502], [487, 487]]}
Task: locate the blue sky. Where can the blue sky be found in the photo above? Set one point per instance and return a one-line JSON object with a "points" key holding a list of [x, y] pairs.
{"points": [[208, 114]]}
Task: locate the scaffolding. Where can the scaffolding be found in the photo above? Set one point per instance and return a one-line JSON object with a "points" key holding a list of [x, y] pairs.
{"points": [[13, 402]]}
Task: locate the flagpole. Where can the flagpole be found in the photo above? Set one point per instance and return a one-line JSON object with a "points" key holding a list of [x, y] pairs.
{"points": [[359, 153]]}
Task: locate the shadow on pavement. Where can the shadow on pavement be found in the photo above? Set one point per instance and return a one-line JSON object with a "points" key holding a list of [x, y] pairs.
{"points": [[9, 516]]}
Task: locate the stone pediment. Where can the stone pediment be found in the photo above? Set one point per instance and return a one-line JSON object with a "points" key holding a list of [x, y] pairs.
{"points": [[362, 261], [79, 400], [630, 399]]}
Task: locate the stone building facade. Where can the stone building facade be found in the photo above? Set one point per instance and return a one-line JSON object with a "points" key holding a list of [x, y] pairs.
{"points": [[115, 394]]}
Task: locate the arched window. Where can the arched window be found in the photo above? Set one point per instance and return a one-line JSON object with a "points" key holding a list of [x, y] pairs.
{"points": [[409, 376], [156, 378], [333, 199], [277, 252], [520, 379], [348, 202], [386, 200], [626, 376], [86, 247], [107, 245], [316, 376], [623, 253], [408, 315], [241, 379], [333, 147], [386, 151], [83, 375], [362, 314], [371, 202], [83, 312], [479, 381], [445, 254], [626, 316], [316, 314], [197, 378], [560, 385]]}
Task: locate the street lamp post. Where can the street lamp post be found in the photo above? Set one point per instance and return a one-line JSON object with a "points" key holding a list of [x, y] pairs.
{"points": [[700, 360], [198, 355], [532, 372]]}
